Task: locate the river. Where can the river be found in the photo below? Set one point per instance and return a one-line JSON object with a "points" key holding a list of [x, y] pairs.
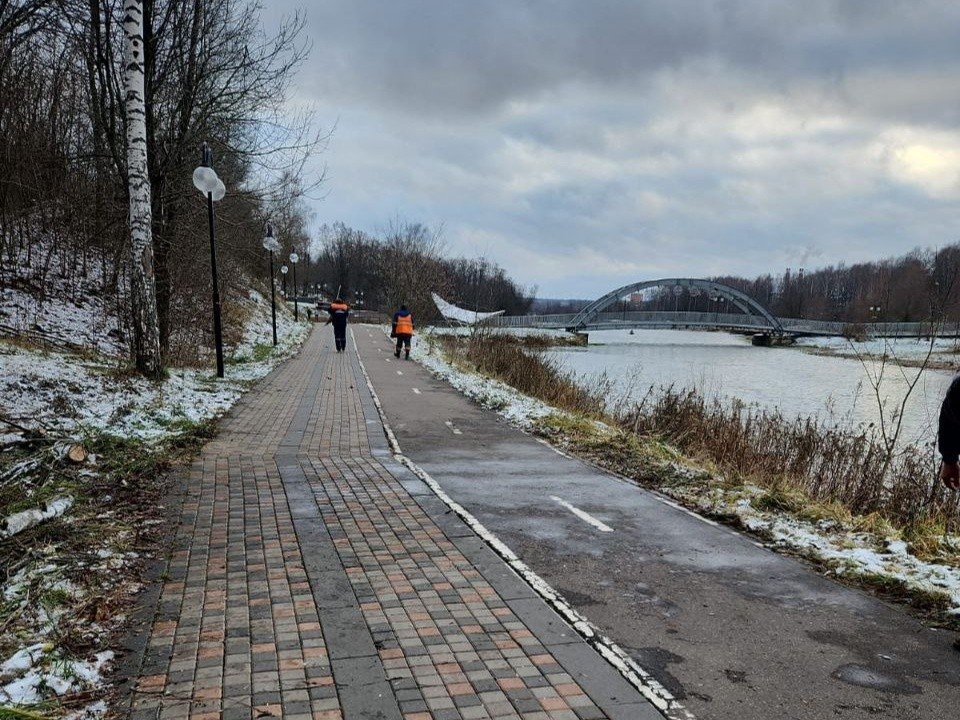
{"points": [[836, 390]]}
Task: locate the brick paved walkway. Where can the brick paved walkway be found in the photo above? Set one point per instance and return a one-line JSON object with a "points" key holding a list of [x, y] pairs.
{"points": [[313, 577]]}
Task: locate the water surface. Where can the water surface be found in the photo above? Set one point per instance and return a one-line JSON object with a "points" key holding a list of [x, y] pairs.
{"points": [[798, 383]]}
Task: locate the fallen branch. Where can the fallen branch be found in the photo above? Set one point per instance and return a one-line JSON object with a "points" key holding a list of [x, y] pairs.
{"points": [[18, 522], [21, 428]]}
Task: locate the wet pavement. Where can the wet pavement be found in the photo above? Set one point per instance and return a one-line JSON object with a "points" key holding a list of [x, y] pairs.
{"points": [[728, 627], [315, 577]]}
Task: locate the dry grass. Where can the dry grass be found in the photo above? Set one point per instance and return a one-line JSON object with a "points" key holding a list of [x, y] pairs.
{"points": [[821, 463], [526, 369]]}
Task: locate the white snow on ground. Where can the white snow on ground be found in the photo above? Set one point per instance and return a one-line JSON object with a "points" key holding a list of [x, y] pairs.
{"points": [[68, 395], [40, 668], [521, 410], [853, 552], [59, 391], [71, 311], [902, 348]]}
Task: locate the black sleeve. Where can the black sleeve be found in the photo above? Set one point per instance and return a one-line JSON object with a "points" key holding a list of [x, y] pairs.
{"points": [[948, 434]]}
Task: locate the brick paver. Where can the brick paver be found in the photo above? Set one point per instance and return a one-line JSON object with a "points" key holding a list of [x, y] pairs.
{"points": [[307, 582]]}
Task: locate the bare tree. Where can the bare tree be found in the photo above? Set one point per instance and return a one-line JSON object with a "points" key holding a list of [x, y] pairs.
{"points": [[211, 74], [941, 272], [412, 266], [145, 323]]}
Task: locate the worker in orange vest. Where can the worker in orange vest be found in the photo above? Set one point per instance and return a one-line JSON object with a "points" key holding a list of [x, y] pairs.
{"points": [[402, 330], [339, 311]]}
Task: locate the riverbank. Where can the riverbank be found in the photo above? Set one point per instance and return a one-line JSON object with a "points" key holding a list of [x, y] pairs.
{"points": [[938, 354], [917, 563]]}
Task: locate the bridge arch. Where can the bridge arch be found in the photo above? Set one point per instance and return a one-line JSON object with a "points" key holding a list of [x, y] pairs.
{"points": [[741, 300]]}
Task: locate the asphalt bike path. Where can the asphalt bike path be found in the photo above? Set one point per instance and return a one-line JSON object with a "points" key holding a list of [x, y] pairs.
{"points": [[726, 627], [316, 574]]}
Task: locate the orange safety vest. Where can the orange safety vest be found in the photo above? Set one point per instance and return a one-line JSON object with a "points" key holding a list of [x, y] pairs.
{"points": [[404, 325]]}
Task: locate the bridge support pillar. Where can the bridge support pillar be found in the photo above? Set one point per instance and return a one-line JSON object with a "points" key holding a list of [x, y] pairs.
{"points": [[770, 339]]}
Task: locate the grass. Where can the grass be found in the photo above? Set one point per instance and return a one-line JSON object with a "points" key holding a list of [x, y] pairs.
{"points": [[822, 463], [13, 713], [261, 352]]}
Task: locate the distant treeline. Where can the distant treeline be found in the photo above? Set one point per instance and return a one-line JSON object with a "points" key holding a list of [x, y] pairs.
{"points": [[403, 265], [920, 286]]}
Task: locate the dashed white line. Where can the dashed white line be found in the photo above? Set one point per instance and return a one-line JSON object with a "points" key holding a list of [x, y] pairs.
{"points": [[586, 517], [453, 428], [416, 391]]}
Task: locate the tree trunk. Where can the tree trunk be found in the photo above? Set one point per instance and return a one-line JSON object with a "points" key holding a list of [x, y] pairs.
{"points": [[144, 295]]}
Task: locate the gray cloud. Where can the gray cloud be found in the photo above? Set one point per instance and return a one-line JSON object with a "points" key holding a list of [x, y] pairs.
{"points": [[441, 56], [584, 143]]}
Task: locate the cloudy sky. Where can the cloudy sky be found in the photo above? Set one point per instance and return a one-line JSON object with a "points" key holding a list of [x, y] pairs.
{"points": [[583, 145]]}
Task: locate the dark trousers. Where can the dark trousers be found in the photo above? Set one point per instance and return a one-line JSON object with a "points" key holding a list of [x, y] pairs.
{"points": [[340, 336], [403, 341]]}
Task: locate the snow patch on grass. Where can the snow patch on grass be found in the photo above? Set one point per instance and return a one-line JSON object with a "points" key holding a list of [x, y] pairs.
{"points": [[69, 395], [83, 398], [40, 671]]}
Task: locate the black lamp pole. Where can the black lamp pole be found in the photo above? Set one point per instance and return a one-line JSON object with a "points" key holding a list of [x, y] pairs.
{"points": [[273, 288], [217, 326], [296, 307], [273, 300]]}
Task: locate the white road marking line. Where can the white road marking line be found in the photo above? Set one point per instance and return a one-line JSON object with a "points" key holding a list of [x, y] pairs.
{"points": [[586, 517], [677, 506], [399, 372], [416, 392], [556, 450], [453, 428]]}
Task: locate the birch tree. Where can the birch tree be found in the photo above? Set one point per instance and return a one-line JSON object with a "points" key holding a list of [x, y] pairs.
{"points": [[146, 326]]}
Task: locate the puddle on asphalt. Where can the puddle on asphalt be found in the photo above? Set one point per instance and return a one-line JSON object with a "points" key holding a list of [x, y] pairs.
{"points": [[656, 661], [862, 676]]}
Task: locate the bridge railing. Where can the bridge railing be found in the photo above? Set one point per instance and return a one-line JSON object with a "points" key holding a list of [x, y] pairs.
{"points": [[634, 318], [728, 320], [526, 321], [682, 318], [877, 329]]}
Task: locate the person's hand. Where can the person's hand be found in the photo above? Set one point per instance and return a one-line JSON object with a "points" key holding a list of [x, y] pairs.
{"points": [[950, 474]]}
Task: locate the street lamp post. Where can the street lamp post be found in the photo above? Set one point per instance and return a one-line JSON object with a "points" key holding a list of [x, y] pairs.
{"points": [[205, 179], [283, 271], [296, 308], [270, 244]]}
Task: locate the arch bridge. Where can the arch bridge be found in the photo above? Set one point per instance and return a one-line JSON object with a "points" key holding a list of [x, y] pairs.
{"points": [[752, 315]]}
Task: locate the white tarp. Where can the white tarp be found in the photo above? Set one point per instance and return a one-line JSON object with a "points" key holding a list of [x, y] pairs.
{"points": [[461, 315]]}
